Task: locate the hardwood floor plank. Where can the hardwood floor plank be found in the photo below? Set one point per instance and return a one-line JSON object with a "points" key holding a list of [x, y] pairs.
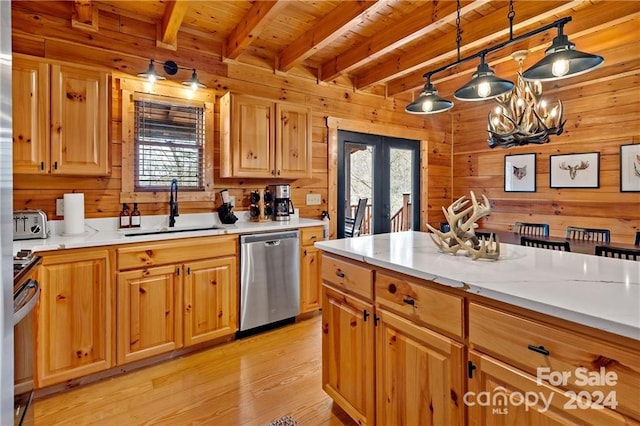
{"points": [[251, 381]]}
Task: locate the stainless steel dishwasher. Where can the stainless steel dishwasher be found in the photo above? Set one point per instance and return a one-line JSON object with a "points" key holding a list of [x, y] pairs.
{"points": [[269, 279]]}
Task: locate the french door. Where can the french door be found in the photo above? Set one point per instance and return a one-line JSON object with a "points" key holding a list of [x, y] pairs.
{"points": [[384, 170]]}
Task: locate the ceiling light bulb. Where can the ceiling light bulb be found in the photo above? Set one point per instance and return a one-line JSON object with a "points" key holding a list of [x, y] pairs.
{"points": [[152, 79], [498, 110], [543, 104], [496, 121], [427, 106], [520, 102], [484, 89], [560, 67]]}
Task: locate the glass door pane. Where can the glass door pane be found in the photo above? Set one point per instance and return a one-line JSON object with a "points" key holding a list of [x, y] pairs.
{"points": [[400, 189], [359, 182]]}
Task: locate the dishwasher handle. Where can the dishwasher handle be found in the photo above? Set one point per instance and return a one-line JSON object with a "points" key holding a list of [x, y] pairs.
{"points": [[272, 243]]}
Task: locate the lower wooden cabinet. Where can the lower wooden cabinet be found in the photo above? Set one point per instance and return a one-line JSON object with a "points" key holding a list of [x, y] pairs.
{"points": [[419, 374], [149, 320], [310, 282], [210, 300], [500, 394], [74, 317], [348, 354]]}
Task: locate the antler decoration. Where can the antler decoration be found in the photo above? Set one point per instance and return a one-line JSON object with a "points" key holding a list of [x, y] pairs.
{"points": [[461, 236]]}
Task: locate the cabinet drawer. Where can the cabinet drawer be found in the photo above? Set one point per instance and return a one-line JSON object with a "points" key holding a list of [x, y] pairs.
{"points": [[531, 345], [420, 303], [175, 251], [348, 276], [308, 236]]}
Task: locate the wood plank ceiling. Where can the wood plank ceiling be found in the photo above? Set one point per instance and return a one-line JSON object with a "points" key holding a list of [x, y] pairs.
{"points": [[381, 46]]}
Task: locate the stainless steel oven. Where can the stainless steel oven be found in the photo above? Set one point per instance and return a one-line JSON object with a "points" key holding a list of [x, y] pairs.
{"points": [[26, 292]]}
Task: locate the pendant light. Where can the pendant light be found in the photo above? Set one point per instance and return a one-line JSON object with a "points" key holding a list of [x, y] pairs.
{"points": [[429, 102], [483, 85], [562, 60], [151, 74], [193, 82]]}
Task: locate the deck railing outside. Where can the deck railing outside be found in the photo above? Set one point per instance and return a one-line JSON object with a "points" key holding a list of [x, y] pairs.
{"points": [[400, 221]]}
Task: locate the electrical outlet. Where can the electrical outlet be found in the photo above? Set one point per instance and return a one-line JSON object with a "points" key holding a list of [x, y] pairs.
{"points": [[59, 207], [314, 199]]}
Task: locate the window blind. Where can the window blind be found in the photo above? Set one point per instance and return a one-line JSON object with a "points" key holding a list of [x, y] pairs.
{"points": [[169, 143]]}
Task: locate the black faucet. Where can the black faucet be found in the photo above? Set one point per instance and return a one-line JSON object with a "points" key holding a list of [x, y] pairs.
{"points": [[173, 203]]}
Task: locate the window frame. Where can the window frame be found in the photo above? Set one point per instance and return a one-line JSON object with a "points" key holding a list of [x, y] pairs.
{"points": [[134, 90]]}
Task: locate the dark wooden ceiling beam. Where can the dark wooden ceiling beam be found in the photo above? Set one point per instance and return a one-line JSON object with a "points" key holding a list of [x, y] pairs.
{"points": [[430, 16], [484, 32], [330, 27], [258, 17], [171, 21], [585, 21], [84, 15]]}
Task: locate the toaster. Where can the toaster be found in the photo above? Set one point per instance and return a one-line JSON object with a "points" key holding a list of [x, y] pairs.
{"points": [[29, 224]]}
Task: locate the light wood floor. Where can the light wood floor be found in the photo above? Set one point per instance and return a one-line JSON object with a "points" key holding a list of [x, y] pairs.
{"points": [[251, 381]]}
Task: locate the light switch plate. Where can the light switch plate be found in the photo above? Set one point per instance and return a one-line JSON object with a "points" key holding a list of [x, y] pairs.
{"points": [[59, 207], [314, 199]]}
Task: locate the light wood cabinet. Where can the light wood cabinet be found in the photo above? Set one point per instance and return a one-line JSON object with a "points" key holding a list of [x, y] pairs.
{"points": [[419, 374], [175, 293], [74, 317], [149, 320], [310, 282], [348, 354], [263, 138], [210, 300], [498, 391], [60, 118]]}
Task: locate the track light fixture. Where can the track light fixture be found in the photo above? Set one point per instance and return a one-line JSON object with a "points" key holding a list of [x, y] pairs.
{"points": [[561, 61], [171, 68]]}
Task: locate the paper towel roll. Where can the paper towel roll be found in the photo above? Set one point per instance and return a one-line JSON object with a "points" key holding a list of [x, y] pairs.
{"points": [[73, 214]]}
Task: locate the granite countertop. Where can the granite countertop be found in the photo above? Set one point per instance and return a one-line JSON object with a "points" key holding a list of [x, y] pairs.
{"points": [[596, 291], [105, 232]]}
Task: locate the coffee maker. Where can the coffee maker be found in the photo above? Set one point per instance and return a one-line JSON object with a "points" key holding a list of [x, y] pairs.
{"points": [[282, 204]]}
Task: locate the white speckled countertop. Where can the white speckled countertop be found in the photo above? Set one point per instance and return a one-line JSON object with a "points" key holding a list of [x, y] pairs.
{"points": [[596, 291], [104, 232]]}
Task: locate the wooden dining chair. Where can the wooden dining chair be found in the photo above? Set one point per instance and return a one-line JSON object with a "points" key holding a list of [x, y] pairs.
{"points": [[531, 229], [352, 224], [618, 253], [550, 245], [588, 234], [637, 242], [485, 235]]}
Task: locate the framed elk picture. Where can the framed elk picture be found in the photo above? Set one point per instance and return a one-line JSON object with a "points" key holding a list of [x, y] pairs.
{"points": [[630, 168], [520, 173], [575, 170]]}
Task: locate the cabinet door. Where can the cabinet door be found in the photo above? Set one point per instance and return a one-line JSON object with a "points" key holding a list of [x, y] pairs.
{"points": [[252, 135], [498, 392], [210, 303], [309, 279], [347, 354], [148, 322], [75, 316], [419, 375], [79, 121], [30, 83], [293, 141]]}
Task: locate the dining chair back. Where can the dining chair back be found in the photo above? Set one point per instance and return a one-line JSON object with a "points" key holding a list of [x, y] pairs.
{"points": [[486, 235], [618, 253], [637, 241], [550, 245], [588, 234], [531, 229], [352, 224]]}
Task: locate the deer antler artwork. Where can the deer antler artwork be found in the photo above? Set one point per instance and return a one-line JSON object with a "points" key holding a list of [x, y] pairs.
{"points": [[461, 236], [574, 169]]}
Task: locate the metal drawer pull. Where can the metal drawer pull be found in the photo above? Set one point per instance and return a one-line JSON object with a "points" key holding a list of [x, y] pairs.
{"points": [[409, 301], [340, 273], [540, 349]]}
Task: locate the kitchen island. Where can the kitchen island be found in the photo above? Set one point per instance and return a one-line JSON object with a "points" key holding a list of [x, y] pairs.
{"points": [[407, 329]]}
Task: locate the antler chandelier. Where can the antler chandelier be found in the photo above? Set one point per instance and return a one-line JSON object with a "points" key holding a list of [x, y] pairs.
{"points": [[522, 116]]}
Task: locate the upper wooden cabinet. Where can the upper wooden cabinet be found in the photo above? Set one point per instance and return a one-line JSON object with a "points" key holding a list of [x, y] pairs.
{"points": [[262, 138], [60, 118]]}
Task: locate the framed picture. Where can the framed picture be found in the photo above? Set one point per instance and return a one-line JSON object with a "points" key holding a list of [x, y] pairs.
{"points": [[575, 170], [520, 173], [630, 168]]}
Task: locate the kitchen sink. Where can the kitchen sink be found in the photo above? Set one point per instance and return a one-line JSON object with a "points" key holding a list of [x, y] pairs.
{"points": [[170, 230]]}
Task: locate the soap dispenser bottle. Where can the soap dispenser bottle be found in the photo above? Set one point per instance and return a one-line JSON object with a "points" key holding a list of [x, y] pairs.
{"points": [[125, 217], [135, 216]]}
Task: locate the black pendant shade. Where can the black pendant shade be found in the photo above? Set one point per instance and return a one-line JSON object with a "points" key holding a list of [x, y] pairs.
{"points": [[483, 85], [429, 102]]}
